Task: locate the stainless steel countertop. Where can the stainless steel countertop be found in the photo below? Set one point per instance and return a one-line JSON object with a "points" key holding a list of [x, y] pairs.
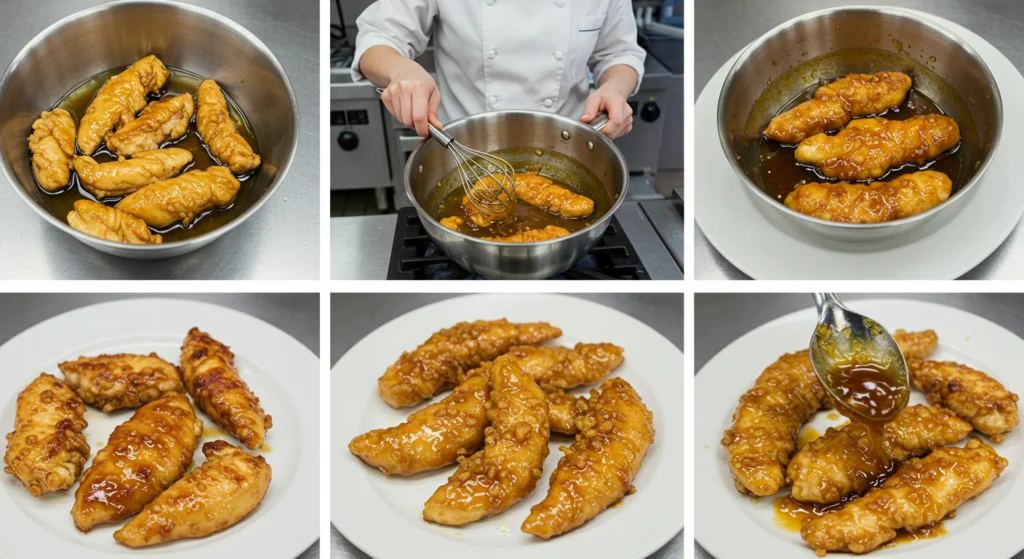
{"points": [[297, 314], [660, 311], [723, 28], [721, 318], [361, 246], [280, 242]]}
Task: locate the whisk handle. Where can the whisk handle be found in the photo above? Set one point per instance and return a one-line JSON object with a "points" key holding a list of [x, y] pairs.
{"points": [[440, 135], [599, 121]]}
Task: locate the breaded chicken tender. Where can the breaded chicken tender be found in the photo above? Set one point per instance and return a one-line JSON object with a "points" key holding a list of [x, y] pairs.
{"points": [[111, 224], [844, 460], [564, 410], [532, 235], [560, 367], [118, 178], [123, 380], [52, 144], [877, 202], [219, 133], [46, 451], [542, 192], [921, 492], [181, 198], [834, 104], [869, 147], [971, 394], [163, 120], [119, 100], [452, 222]]}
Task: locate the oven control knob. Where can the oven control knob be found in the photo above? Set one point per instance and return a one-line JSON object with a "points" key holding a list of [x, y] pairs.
{"points": [[348, 140], [650, 111]]}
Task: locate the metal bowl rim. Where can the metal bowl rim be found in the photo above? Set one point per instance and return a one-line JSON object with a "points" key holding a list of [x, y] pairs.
{"points": [[209, 236], [793, 214]]}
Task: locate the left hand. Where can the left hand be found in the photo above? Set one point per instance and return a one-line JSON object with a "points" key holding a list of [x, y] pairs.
{"points": [[611, 101]]}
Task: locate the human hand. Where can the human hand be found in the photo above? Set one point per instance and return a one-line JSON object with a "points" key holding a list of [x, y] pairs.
{"points": [[412, 97], [609, 99]]}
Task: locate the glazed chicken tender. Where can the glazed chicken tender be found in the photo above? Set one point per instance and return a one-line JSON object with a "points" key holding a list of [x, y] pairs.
{"points": [[219, 133], [123, 380], [561, 368], [46, 451], [212, 380], [449, 353], [163, 120], [842, 461], [971, 394], [877, 202], [111, 224], [599, 468], [118, 178], [182, 198], [52, 144], [142, 458], [511, 462], [564, 410], [213, 497], [921, 492], [119, 100], [532, 235], [542, 192], [837, 103], [869, 147]]}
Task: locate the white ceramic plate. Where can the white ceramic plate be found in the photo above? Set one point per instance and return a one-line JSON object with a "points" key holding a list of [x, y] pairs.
{"points": [[278, 369], [943, 248], [382, 515], [991, 521]]}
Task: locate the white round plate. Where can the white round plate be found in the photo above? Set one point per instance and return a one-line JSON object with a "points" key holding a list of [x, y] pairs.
{"points": [[280, 371], [993, 517], [944, 248], [382, 515]]}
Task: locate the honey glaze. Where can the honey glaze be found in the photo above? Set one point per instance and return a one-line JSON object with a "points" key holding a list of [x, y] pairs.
{"points": [[60, 203], [791, 515]]}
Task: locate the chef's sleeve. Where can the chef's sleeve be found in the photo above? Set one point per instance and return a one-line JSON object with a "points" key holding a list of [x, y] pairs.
{"points": [[616, 43], [404, 25]]}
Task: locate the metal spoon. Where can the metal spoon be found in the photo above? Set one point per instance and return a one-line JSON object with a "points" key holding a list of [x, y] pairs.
{"points": [[844, 338]]}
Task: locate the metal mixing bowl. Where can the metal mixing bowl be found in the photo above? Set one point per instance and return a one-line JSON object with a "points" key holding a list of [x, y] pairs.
{"points": [[593, 162], [117, 34], [806, 50]]}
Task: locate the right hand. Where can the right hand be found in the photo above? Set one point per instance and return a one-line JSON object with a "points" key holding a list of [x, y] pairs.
{"points": [[412, 97]]}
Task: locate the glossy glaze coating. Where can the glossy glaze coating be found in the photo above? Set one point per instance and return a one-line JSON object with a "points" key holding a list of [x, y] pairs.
{"points": [[877, 202], [561, 368], [548, 233], [181, 198], [52, 144], [119, 100], [163, 120], [564, 410], [123, 380], [112, 224], [118, 178], [971, 394], [219, 133]]}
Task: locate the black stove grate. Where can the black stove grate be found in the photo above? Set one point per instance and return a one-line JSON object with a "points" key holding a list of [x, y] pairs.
{"points": [[414, 256]]}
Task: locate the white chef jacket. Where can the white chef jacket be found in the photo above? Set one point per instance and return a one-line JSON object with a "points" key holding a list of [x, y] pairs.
{"points": [[507, 54]]}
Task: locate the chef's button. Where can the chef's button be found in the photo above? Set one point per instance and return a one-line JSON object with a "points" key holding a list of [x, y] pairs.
{"points": [[492, 53], [548, 103], [492, 100], [558, 55]]}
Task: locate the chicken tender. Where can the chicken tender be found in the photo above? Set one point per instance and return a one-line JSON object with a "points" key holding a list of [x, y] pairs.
{"points": [[599, 468], [119, 100], [52, 144], [212, 380], [499, 212], [111, 224], [163, 120], [921, 492], [118, 178], [837, 103], [511, 462], [532, 235], [449, 353], [46, 451], [452, 222], [971, 394], [211, 498], [561, 368], [869, 147], [182, 198], [877, 202], [542, 192], [916, 345], [842, 461], [123, 380], [219, 133], [564, 410], [142, 458]]}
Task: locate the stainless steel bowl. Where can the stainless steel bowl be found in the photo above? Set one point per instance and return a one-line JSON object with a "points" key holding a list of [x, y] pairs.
{"points": [[117, 34], [785, 61], [591, 152]]}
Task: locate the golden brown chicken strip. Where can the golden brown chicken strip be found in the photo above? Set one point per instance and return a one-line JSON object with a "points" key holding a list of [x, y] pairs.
{"points": [[869, 147], [836, 103], [212, 380], [497, 202], [111, 224], [844, 461], [532, 235], [142, 458], [118, 178], [560, 368], [564, 410], [211, 498], [219, 133], [542, 192], [971, 394], [599, 468], [166, 202], [46, 451], [765, 426], [877, 202], [123, 380], [163, 120], [52, 144], [452, 222], [921, 492], [118, 101], [511, 462], [449, 353]]}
